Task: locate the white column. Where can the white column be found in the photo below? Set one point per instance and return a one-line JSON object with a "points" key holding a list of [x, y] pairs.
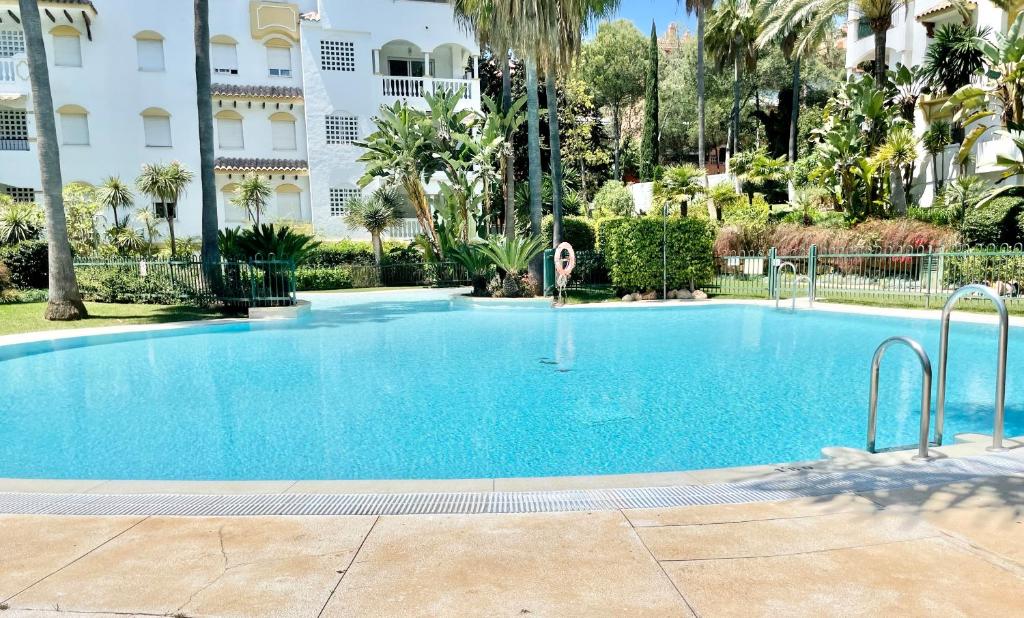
{"points": [[476, 67], [376, 62], [428, 82]]}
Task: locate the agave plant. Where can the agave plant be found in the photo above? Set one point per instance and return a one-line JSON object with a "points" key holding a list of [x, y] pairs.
{"points": [[476, 261]]}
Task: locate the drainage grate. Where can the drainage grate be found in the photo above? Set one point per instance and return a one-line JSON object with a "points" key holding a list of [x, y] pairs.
{"points": [[775, 487]]}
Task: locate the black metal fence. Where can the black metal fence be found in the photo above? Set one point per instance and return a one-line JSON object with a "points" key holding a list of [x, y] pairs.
{"points": [[251, 283]]}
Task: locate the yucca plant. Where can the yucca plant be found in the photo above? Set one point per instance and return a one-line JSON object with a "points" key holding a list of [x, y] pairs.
{"points": [[375, 214], [19, 222], [115, 193], [126, 239], [935, 140], [251, 196]]}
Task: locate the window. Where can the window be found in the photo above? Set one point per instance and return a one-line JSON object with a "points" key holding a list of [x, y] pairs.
{"points": [[340, 199], [229, 130], [224, 58], [407, 67], [232, 212], [21, 194], [279, 61], [157, 126], [162, 210], [13, 129], [12, 43], [337, 55], [342, 129], [282, 129], [289, 203], [151, 52], [74, 126], [67, 48]]}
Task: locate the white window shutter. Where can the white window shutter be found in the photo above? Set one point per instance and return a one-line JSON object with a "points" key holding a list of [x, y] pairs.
{"points": [[279, 60], [151, 55], [283, 132], [158, 130], [75, 129], [67, 51], [229, 132], [224, 58], [289, 206]]}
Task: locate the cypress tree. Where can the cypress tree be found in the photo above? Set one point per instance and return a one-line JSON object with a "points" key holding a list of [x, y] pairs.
{"points": [[649, 144]]}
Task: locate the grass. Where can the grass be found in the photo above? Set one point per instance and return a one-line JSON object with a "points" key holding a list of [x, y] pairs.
{"points": [[28, 317], [590, 294]]}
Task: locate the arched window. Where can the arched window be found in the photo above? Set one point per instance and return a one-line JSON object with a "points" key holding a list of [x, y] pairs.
{"points": [[232, 213], [150, 46], [279, 58], [282, 126], [156, 124], [289, 202], [224, 55], [67, 46], [74, 125], [229, 130]]}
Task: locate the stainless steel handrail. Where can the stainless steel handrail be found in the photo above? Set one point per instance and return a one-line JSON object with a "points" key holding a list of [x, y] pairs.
{"points": [[926, 393], [778, 280], [1004, 331]]}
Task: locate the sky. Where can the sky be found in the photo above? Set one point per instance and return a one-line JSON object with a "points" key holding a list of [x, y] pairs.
{"points": [[641, 12]]}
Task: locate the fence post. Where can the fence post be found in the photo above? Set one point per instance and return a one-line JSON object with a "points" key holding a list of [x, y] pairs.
{"points": [[812, 272], [928, 277], [772, 256]]}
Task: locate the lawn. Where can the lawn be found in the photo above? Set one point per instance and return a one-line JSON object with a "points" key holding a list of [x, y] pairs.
{"points": [[28, 317]]}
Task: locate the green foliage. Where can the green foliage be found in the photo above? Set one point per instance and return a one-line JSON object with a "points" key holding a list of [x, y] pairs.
{"points": [[318, 278], [27, 263], [19, 221], [679, 186], [759, 171], [608, 63], [346, 252], [267, 242], [936, 215], [954, 56], [251, 196], [577, 231], [993, 223], [649, 141], [632, 250], [613, 200], [756, 211], [512, 256], [82, 209], [971, 268], [124, 284], [476, 261]]}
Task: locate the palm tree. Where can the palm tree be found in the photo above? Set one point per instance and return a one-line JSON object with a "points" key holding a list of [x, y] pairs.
{"points": [[898, 155], [166, 184], [731, 38], [115, 193], [252, 195], [375, 214], [679, 185], [935, 139], [700, 7], [65, 301], [204, 104]]}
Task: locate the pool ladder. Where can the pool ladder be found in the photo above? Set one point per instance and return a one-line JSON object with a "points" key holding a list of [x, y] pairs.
{"points": [[796, 281], [926, 371]]}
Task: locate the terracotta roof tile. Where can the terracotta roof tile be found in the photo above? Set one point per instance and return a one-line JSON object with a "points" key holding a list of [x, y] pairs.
{"points": [[262, 92], [260, 165]]}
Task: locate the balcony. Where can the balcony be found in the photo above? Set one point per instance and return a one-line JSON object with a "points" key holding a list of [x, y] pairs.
{"points": [[14, 76], [406, 87], [13, 144], [405, 229]]}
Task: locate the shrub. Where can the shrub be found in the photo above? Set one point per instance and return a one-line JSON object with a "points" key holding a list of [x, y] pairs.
{"points": [[755, 211], [934, 215], [994, 223], [790, 239], [124, 284], [577, 231], [633, 252], [316, 278], [614, 200], [27, 263], [743, 239], [973, 267], [342, 252]]}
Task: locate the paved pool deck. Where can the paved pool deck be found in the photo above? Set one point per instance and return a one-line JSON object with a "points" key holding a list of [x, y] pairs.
{"points": [[956, 549]]}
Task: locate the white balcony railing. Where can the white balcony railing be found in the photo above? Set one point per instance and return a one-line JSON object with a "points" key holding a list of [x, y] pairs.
{"points": [[395, 86], [405, 229], [8, 72]]}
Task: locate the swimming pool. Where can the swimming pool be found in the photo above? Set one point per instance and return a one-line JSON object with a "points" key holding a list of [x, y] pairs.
{"points": [[411, 385]]}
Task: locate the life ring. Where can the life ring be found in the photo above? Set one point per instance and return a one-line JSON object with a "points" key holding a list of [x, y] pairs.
{"points": [[565, 260]]}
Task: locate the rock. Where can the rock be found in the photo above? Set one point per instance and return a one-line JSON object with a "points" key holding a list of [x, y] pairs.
{"points": [[649, 296], [628, 298], [672, 294], [700, 295], [637, 296], [684, 295]]}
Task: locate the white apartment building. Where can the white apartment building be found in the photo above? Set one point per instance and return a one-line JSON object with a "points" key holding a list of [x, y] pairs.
{"points": [[906, 43], [294, 85]]}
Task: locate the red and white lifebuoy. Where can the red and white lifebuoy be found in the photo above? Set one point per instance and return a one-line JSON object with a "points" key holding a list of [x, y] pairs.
{"points": [[565, 260]]}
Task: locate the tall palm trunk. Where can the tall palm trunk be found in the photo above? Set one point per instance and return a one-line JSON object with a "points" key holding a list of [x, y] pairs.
{"points": [[509, 159], [701, 156], [378, 249], [65, 301], [555, 155], [734, 120], [204, 104], [170, 226], [533, 155], [616, 170], [880, 33], [794, 122]]}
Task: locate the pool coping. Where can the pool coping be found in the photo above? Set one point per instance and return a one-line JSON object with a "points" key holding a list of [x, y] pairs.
{"points": [[837, 460]]}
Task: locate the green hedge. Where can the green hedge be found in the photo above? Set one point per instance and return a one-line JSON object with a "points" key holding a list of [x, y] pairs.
{"points": [[577, 231], [345, 252], [28, 264], [322, 279], [632, 250], [936, 215], [994, 223], [123, 284]]}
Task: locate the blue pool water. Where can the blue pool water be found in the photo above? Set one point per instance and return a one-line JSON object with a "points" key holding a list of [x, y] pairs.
{"points": [[410, 385]]}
